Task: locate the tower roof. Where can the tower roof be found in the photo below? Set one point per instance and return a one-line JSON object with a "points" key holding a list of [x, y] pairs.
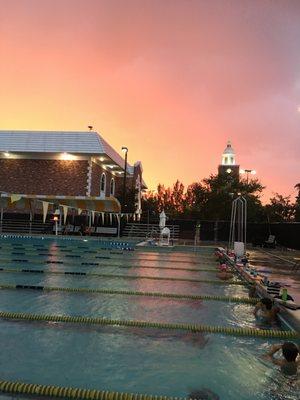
{"points": [[229, 149]]}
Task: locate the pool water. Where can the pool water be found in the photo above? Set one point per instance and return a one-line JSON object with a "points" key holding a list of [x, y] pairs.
{"points": [[135, 360]]}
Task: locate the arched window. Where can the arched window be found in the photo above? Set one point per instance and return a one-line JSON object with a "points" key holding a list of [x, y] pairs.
{"points": [[103, 184], [112, 187]]}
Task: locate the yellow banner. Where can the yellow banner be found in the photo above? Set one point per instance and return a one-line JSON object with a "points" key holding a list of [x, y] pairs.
{"points": [[65, 209], [45, 210], [15, 197]]}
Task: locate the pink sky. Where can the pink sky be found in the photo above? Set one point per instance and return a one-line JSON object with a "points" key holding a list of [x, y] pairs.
{"points": [[171, 80]]}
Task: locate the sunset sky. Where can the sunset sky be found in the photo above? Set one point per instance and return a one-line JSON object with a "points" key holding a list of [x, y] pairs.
{"points": [[171, 80]]}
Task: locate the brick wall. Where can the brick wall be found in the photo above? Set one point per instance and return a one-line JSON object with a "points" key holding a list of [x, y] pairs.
{"points": [[97, 171], [53, 177], [119, 187]]}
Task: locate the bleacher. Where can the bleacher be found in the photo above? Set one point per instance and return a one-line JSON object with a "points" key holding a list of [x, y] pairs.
{"points": [[142, 231], [25, 226]]}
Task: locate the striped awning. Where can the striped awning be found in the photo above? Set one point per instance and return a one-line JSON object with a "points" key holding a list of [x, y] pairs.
{"points": [[30, 202]]}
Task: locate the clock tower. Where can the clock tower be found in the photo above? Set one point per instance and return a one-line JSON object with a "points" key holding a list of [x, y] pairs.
{"points": [[228, 165]]}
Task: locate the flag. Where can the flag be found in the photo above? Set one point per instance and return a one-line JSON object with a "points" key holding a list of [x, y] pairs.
{"points": [[45, 210]]}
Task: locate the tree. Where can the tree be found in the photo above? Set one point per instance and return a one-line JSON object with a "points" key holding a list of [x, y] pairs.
{"points": [[195, 199], [280, 209], [222, 189], [297, 203], [209, 199]]}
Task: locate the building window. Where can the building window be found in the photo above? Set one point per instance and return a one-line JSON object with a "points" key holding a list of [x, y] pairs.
{"points": [[103, 184], [112, 187]]}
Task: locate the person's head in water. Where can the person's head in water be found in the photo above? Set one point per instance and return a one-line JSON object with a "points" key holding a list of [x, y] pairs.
{"points": [[290, 351], [203, 394], [289, 363], [267, 303]]}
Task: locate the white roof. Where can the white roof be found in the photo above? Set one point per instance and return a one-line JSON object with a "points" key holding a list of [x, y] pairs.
{"points": [[57, 142], [229, 149]]}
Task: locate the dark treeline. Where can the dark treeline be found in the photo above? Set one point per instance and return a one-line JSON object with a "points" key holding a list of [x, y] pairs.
{"points": [[211, 199]]}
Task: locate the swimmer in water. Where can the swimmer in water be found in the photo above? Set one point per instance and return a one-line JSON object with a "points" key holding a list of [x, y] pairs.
{"points": [[290, 363], [203, 394], [224, 273], [265, 312], [253, 291]]}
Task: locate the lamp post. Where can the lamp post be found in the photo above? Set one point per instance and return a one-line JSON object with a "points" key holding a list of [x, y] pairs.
{"points": [[56, 216], [124, 150], [248, 171]]}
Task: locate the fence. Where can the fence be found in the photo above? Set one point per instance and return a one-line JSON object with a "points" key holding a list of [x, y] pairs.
{"points": [[287, 233]]}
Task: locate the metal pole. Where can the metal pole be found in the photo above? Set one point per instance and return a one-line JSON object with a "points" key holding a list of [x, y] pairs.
{"points": [[241, 220], [60, 216], [30, 222], [216, 231], [238, 220], [230, 228], [234, 223], [124, 180], [119, 224], [1, 218], [245, 222]]}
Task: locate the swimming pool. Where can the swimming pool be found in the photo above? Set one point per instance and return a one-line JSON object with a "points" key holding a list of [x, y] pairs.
{"points": [[119, 358]]}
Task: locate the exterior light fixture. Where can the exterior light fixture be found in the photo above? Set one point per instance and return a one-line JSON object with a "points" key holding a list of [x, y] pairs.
{"points": [[101, 159], [67, 156], [7, 154], [248, 171], [228, 170], [55, 219]]}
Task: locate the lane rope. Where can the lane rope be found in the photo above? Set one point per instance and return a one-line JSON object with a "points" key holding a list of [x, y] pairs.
{"points": [[147, 324], [81, 273], [46, 253], [104, 265], [38, 251], [176, 296], [74, 393]]}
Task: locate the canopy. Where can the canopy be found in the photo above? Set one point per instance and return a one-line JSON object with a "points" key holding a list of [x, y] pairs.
{"points": [[30, 202]]}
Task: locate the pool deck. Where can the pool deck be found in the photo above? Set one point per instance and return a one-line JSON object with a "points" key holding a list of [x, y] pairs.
{"points": [[278, 266]]}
